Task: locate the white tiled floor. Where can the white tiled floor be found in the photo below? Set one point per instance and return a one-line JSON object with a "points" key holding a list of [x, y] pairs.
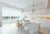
{"points": [[12, 29]]}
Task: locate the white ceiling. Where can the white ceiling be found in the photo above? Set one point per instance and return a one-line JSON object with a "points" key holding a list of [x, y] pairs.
{"points": [[24, 3], [20, 3]]}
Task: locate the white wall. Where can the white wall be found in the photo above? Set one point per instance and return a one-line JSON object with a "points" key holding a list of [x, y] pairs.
{"points": [[0, 15]]}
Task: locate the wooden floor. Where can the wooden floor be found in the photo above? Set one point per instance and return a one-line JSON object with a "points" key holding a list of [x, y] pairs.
{"points": [[45, 30]]}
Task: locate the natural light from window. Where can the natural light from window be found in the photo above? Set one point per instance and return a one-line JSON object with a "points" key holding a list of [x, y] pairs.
{"points": [[10, 12]]}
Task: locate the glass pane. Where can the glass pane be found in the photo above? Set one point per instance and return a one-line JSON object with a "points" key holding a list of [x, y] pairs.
{"points": [[15, 17], [6, 17]]}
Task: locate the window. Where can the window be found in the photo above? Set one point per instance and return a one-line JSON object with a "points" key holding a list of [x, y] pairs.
{"points": [[15, 17], [6, 17], [8, 13]]}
